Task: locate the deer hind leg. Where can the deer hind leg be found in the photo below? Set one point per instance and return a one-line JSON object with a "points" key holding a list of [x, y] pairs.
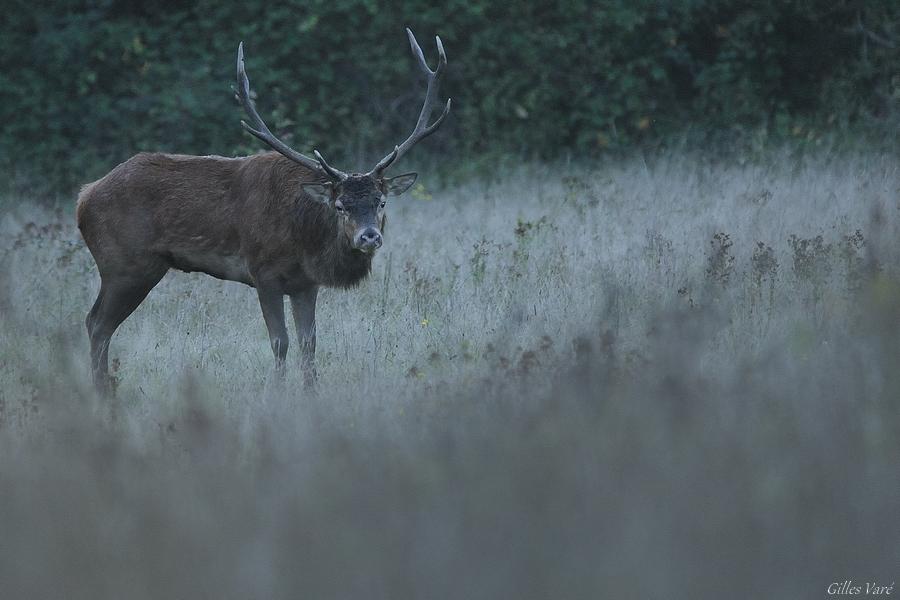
{"points": [[118, 298]]}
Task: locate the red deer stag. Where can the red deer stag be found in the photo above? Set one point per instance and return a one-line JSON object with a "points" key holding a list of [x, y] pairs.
{"points": [[280, 222]]}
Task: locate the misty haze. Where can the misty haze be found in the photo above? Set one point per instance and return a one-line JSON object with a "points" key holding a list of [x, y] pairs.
{"points": [[597, 357]]}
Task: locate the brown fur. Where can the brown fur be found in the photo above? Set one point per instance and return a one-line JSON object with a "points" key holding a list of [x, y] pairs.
{"points": [[269, 221], [242, 219]]}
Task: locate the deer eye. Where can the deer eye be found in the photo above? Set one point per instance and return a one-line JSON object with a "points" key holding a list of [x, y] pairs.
{"points": [[383, 203], [339, 206]]}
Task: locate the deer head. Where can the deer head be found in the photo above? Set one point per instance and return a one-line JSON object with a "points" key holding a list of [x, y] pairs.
{"points": [[359, 199]]}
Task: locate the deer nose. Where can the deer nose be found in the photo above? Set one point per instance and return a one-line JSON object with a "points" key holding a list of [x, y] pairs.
{"points": [[369, 239]]}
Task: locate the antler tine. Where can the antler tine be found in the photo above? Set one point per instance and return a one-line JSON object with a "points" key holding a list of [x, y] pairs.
{"points": [[422, 129], [259, 128], [417, 50], [335, 174], [385, 162]]}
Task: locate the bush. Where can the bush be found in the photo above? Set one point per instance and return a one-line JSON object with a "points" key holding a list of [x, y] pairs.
{"points": [[83, 85]]}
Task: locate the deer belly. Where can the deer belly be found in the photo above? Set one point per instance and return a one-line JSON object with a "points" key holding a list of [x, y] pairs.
{"points": [[229, 267]]}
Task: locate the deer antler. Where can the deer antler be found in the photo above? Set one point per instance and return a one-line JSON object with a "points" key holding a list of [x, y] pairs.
{"points": [[335, 174], [260, 130], [422, 129]]}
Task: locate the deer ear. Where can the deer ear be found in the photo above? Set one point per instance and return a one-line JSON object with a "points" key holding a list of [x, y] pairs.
{"points": [[320, 192], [399, 184]]}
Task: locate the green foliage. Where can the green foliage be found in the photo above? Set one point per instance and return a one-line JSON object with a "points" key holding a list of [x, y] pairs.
{"points": [[83, 85]]}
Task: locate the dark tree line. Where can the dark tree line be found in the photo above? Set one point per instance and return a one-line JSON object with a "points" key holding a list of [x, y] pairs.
{"points": [[83, 85]]}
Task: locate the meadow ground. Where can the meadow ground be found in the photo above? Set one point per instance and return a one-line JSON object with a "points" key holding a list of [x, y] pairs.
{"points": [[672, 377]]}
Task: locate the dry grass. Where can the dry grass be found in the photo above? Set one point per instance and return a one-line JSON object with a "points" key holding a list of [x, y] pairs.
{"points": [[663, 379]]}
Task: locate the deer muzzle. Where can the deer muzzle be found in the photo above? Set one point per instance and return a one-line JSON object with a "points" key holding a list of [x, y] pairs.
{"points": [[367, 239]]}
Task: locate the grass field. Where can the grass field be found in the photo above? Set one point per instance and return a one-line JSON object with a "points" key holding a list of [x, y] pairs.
{"points": [[669, 377]]}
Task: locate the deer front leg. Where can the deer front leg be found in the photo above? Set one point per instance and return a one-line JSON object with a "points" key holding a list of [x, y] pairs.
{"points": [[303, 305], [272, 304]]}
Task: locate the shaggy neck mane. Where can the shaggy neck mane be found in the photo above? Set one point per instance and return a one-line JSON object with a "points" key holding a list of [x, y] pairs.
{"points": [[330, 259]]}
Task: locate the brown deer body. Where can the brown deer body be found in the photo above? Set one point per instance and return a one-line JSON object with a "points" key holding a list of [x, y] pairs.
{"points": [[280, 222]]}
